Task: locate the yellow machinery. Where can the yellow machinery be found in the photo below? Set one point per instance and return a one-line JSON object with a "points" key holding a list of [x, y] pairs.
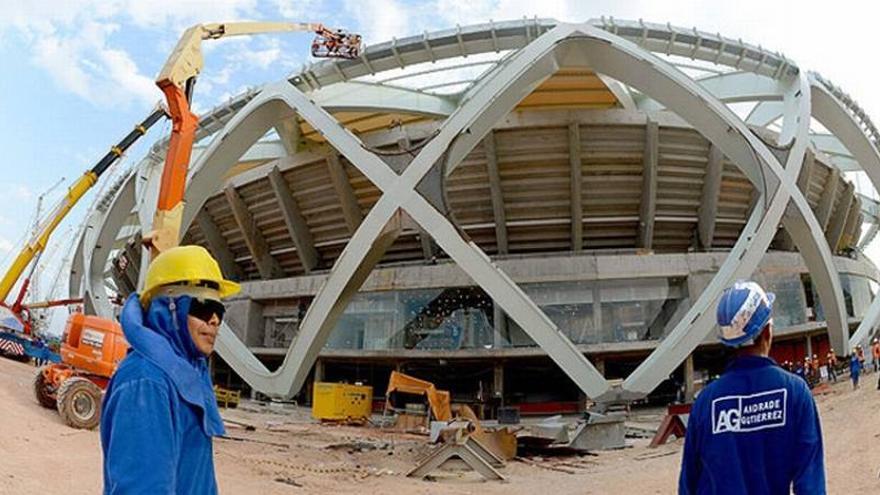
{"points": [[439, 401], [502, 442], [37, 243], [227, 398], [341, 402]]}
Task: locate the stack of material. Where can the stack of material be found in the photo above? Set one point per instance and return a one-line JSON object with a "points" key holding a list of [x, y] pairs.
{"points": [[554, 434]]}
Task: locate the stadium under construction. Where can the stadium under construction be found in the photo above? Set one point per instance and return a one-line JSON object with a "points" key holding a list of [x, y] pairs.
{"points": [[526, 213]]}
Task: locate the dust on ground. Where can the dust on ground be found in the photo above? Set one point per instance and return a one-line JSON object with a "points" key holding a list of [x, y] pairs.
{"points": [[288, 454]]}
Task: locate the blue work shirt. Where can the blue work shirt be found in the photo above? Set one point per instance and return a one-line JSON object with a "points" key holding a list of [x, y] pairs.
{"points": [[855, 367], [753, 431], [159, 412]]}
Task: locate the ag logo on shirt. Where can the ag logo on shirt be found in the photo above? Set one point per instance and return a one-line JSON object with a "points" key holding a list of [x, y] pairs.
{"points": [[744, 413]]}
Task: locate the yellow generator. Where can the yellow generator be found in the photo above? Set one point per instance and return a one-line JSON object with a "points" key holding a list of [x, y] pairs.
{"points": [[341, 402]]}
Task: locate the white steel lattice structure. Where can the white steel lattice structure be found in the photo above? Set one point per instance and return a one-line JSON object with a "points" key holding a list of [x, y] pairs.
{"points": [[343, 116]]}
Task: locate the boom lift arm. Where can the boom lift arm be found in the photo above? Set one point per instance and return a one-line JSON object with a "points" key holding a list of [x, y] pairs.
{"points": [[37, 243], [177, 80]]}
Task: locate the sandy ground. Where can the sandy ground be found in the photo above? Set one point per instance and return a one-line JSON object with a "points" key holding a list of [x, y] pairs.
{"points": [[288, 454]]}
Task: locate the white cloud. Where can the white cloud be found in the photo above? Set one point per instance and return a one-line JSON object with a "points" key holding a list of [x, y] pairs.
{"points": [[84, 63], [260, 58], [16, 191], [384, 19], [5, 245], [77, 41], [178, 14], [301, 10]]}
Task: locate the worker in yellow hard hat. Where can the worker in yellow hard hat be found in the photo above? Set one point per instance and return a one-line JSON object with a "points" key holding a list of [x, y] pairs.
{"points": [[160, 413]]}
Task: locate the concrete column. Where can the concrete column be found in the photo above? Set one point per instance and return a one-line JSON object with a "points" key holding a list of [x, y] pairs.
{"points": [[319, 371], [500, 330], [599, 363], [245, 317], [498, 383], [809, 340], [689, 389], [597, 313]]}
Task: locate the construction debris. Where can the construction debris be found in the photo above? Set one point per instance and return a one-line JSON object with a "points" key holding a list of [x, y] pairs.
{"points": [[559, 437], [463, 446]]}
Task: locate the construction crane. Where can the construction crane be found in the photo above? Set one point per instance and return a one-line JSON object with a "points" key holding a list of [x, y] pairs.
{"points": [[35, 269], [177, 80], [35, 246]]}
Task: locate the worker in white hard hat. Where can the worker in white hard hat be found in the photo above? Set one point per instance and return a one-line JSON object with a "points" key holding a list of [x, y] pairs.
{"points": [[756, 429], [160, 413]]}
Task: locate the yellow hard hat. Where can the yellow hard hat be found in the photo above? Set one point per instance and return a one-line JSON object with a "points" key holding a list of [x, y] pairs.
{"points": [[186, 265]]}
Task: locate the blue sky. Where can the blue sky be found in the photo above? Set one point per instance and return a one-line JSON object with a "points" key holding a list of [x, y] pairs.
{"points": [[77, 74]]}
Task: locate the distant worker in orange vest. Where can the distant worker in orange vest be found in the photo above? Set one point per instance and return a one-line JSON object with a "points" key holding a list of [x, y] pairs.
{"points": [[860, 354], [831, 359], [816, 375]]}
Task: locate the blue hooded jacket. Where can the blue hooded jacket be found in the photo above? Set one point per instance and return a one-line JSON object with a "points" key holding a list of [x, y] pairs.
{"points": [[755, 430], [159, 412]]}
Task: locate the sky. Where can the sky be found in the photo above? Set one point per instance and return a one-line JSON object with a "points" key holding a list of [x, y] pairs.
{"points": [[77, 75]]}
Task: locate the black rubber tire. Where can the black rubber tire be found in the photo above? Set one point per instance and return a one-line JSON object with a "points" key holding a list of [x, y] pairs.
{"points": [[79, 403], [43, 392]]}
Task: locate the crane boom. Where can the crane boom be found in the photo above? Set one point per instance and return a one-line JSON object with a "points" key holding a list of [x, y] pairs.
{"points": [[177, 80], [37, 243]]}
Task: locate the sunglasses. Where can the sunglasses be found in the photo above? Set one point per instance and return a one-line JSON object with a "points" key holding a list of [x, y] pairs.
{"points": [[204, 309]]}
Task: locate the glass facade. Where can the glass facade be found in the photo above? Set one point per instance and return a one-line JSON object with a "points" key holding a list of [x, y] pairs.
{"points": [[790, 307], [455, 318], [858, 292], [611, 311], [594, 312]]}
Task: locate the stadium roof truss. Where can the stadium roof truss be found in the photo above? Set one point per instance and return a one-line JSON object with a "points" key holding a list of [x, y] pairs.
{"points": [[601, 64]]}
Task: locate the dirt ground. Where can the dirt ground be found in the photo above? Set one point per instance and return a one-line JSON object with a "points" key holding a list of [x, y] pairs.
{"points": [[287, 454]]}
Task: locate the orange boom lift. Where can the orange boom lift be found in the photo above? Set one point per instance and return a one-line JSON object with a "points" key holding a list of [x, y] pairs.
{"points": [[93, 347], [177, 80]]}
